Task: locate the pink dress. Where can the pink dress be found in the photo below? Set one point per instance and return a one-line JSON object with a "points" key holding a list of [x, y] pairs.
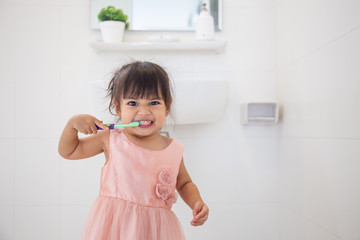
{"points": [[137, 190]]}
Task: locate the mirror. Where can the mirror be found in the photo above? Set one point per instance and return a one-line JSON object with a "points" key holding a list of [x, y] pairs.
{"points": [[159, 15]]}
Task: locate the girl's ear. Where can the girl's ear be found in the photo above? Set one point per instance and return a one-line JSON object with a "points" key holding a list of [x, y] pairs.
{"points": [[117, 108], [168, 109]]}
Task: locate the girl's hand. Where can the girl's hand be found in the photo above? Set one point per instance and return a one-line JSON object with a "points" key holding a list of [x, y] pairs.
{"points": [[200, 213], [86, 124]]}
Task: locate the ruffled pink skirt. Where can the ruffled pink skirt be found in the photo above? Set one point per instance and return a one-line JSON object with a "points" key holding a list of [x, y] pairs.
{"points": [[114, 218]]}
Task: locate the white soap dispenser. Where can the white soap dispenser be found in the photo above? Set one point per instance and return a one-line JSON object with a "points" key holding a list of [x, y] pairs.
{"points": [[205, 25]]}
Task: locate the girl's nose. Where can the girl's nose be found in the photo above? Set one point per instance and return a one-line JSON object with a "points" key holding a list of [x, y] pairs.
{"points": [[144, 110]]}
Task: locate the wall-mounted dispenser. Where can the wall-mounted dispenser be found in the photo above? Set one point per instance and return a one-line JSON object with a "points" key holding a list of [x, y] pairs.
{"points": [[259, 113]]}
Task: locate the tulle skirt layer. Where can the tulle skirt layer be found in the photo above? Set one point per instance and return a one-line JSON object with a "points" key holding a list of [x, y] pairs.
{"points": [[113, 218]]}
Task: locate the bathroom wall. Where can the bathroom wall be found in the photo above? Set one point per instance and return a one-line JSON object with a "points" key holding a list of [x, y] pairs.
{"points": [[49, 73], [318, 86]]}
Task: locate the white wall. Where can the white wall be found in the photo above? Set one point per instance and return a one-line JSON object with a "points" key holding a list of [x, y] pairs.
{"points": [[318, 85], [48, 73]]}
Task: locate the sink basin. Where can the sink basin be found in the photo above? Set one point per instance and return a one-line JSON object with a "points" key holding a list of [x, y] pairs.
{"points": [[199, 101]]}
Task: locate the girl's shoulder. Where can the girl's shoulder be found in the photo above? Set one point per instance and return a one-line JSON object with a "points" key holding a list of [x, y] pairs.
{"points": [[167, 142], [104, 137], [164, 141]]}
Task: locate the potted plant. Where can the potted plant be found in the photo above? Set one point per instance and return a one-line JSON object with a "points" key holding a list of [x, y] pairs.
{"points": [[112, 24]]}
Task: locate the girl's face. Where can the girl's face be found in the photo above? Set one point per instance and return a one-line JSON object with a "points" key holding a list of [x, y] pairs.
{"points": [[151, 112]]}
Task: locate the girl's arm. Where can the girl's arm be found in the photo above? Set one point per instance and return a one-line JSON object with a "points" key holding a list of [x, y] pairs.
{"points": [[71, 147], [191, 196]]}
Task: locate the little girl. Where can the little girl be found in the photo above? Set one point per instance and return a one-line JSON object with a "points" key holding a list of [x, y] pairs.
{"points": [[142, 169]]}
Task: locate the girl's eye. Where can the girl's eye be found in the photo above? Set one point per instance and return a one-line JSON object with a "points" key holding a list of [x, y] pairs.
{"points": [[132, 103], [154, 103]]}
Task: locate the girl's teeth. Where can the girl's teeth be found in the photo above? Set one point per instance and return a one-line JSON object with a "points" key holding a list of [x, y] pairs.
{"points": [[145, 122]]}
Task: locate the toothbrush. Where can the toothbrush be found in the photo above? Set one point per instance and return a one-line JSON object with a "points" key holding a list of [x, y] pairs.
{"points": [[113, 126]]}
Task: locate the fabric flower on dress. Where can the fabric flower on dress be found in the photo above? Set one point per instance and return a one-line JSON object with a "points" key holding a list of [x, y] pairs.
{"points": [[166, 177], [164, 189]]}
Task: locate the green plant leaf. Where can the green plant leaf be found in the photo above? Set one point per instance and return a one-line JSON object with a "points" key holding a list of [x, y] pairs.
{"points": [[113, 14]]}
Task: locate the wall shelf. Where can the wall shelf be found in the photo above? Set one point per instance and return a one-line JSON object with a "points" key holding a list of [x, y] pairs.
{"points": [[216, 46]]}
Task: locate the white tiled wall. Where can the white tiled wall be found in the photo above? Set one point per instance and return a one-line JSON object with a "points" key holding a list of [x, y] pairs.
{"points": [[298, 181], [318, 86], [48, 73]]}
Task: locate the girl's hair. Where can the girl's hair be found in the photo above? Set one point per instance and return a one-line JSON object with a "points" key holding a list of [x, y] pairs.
{"points": [[139, 80]]}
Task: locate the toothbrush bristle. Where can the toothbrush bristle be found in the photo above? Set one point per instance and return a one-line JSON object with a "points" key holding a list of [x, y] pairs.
{"points": [[135, 124]]}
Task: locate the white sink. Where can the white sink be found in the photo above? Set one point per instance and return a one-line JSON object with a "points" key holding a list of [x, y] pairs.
{"points": [[199, 101]]}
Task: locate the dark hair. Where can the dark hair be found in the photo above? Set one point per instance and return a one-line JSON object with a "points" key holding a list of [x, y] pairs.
{"points": [[139, 80]]}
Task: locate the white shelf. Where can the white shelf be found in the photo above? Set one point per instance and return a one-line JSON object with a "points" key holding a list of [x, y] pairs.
{"points": [[208, 46]]}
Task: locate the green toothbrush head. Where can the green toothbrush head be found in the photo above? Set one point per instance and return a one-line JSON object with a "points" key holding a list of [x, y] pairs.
{"points": [[133, 124]]}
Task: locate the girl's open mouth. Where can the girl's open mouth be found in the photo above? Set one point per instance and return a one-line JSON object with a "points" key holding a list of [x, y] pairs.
{"points": [[145, 124]]}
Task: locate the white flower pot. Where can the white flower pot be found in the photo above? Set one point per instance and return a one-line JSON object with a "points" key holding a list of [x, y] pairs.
{"points": [[112, 31]]}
